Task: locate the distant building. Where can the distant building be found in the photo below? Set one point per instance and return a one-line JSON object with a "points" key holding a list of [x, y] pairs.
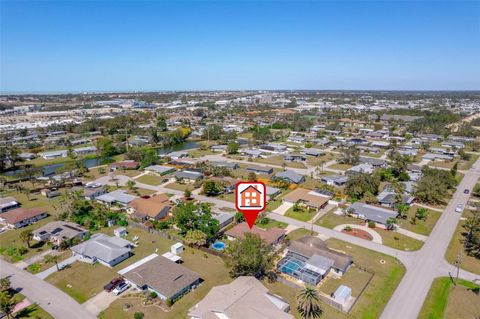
{"points": [[59, 231]]}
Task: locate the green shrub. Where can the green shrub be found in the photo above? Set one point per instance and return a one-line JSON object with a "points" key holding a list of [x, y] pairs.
{"points": [[138, 315], [153, 294], [371, 224]]}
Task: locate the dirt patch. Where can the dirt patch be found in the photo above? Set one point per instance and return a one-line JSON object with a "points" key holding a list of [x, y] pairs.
{"points": [[358, 233], [463, 303]]}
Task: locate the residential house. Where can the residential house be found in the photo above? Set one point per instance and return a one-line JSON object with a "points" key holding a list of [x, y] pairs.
{"points": [[91, 193], [54, 154], [188, 176], [274, 148], [307, 198], [108, 251], [59, 231], [158, 274], [360, 168], [161, 169], [294, 158], [8, 203], [335, 180], [21, 217], [125, 165], [229, 165], [156, 207], [379, 215], [118, 196], [388, 198], [309, 259], [219, 148], [271, 237], [243, 298], [251, 152], [85, 150], [224, 219], [375, 162], [312, 152], [260, 169], [290, 176]]}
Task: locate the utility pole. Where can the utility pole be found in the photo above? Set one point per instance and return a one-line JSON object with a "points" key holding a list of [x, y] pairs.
{"points": [[458, 262]]}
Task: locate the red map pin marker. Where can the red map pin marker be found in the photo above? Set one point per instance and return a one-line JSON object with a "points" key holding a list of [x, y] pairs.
{"points": [[250, 200]]}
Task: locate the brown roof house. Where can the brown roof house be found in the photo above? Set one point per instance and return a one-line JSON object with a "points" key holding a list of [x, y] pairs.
{"points": [[244, 298], [22, 217], [155, 207], [166, 278], [307, 198], [272, 236]]}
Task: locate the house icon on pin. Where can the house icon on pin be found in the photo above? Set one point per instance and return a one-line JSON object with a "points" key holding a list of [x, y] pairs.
{"points": [[250, 197]]}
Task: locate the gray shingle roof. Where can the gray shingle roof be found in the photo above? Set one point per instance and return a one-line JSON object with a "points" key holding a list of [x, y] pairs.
{"points": [[103, 247], [374, 213]]}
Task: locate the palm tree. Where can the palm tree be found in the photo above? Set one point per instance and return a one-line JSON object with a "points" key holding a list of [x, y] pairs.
{"points": [[52, 259], [7, 304], [308, 303], [196, 238], [26, 236], [5, 284]]}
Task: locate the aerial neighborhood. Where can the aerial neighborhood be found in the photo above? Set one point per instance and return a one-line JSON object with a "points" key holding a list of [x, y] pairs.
{"points": [[125, 203]]}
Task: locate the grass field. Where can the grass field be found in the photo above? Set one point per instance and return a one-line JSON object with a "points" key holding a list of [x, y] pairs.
{"points": [[41, 266], [330, 220], [278, 161], [301, 232], [180, 187], [339, 166], [445, 300], [455, 247], [150, 179], [303, 215], [422, 227], [386, 278]]}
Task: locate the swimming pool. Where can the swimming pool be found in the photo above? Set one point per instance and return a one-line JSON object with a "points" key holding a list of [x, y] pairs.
{"points": [[289, 267], [218, 245]]}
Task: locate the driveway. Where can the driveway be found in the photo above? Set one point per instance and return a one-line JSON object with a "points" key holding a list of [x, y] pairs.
{"points": [[282, 209], [100, 302], [50, 298]]}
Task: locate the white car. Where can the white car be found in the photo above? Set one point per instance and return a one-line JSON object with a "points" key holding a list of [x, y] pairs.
{"points": [[459, 208], [120, 288]]}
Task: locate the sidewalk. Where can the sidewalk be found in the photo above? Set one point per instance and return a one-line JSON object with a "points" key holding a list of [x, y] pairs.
{"points": [[44, 274], [412, 234]]}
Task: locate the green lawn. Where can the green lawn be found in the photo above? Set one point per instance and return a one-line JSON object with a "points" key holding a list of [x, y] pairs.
{"points": [[390, 238], [455, 247], [339, 166], [300, 232], [317, 161], [180, 187], [445, 300], [271, 223], [303, 215], [387, 276], [151, 179], [278, 161], [399, 241], [41, 266], [330, 220], [422, 227], [195, 153], [32, 311]]}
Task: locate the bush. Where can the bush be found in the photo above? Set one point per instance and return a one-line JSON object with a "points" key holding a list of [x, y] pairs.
{"points": [[371, 224], [153, 294], [138, 315], [22, 250], [347, 228], [169, 302]]}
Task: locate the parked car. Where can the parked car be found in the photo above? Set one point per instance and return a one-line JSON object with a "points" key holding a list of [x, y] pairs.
{"points": [[466, 191], [459, 208], [112, 284], [121, 288]]}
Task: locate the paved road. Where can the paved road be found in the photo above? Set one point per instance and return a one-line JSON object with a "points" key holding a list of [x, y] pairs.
{"points": [[429, 262], [53, 300]]}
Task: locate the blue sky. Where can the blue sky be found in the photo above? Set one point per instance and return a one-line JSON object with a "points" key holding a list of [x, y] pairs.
{"points": [[197, 45]]}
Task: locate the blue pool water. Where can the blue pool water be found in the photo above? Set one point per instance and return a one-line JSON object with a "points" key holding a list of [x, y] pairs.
{"points": [[290, 267], [218, 245]]}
